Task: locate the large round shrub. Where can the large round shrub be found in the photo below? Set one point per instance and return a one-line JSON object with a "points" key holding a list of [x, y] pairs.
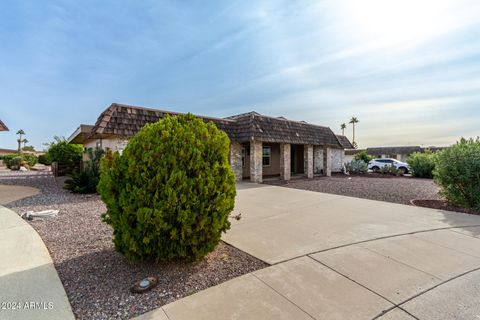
{"points": [[170, 193], [421, 164], [457, 172]]}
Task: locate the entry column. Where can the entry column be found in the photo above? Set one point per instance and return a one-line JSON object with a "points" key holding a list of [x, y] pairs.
{"points": [[236, 159], [308, 159], [285, 161], [256, 157]]}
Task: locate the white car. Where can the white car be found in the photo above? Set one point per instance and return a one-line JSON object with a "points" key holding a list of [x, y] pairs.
{"points": [[376, 164]]}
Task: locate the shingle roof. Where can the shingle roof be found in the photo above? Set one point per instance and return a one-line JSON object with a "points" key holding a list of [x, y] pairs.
{"points": [[346, 144], [3, 127], [124, 120], [394, 150]]}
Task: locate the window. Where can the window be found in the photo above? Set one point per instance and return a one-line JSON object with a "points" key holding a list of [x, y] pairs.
{"points": [[266, 155]]}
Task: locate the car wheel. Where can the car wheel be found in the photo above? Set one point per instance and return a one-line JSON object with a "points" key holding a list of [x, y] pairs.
{"points": [[403, 169], [375, 168]]}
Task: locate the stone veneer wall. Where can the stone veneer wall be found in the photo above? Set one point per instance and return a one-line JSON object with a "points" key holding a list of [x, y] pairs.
{"points": [[337, 160], [236, 159], [317, 159], [256, 168]]}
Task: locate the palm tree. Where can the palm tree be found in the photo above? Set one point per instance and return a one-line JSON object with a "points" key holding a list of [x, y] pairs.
{"points": [[25, 141], [353, 121], [20, 140], [343, 126]]}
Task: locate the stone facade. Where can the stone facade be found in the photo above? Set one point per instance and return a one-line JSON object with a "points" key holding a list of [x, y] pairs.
{"points": [[327, 162], [285, 161], [317, 160], [337, 160], [236, 159], [308, 160], [256, 168]]}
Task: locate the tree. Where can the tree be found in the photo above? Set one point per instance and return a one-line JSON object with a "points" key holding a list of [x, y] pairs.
{"points": [[343, 126], [21, 133], [353, 121], [170, 193], [63, 152]]}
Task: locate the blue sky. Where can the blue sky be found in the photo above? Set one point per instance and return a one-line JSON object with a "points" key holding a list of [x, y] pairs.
{"points": [[409, 70]]}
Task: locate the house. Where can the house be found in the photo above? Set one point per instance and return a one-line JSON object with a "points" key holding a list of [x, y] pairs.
{"points": [[3, 127], [261, 146], [400, 153]]}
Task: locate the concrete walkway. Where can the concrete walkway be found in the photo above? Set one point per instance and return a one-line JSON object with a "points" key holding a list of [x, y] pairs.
{"points": [[30, 286], [336, 257]]}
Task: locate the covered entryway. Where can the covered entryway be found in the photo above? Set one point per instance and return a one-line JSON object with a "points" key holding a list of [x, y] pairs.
{"points": [[297, 159]]}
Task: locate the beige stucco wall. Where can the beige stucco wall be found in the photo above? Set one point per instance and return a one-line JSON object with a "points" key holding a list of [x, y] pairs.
{"points": [[337, 157], [274, 167], [114, 144]]}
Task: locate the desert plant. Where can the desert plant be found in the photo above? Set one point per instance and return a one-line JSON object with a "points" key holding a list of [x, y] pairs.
{"points": [[457, 172], [14, 161], [391, 170], [356, 167], [170, 193], [363, 156], [422, 164], [86, 180], [63, 152]]}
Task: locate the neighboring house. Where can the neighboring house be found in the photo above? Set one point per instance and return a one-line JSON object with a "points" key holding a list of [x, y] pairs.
{"points": [[3, 127], [4, 152], [261, 146], [399, 153]]}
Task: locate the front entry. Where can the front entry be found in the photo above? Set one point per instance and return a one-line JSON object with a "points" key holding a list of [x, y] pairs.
{"points": [[297, 159]]}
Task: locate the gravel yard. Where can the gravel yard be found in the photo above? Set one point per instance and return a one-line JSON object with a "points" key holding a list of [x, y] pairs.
{"points": [[383, 188], [96, 278]]}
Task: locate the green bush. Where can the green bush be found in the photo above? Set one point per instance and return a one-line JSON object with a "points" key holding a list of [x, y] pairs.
{"points": [[86, 180], [44, 159], [30, 159], [356, 167], [457, 172], [14, 161], [421, 164], [363, 156], [391, 170], [63, 152], [170, 193]]}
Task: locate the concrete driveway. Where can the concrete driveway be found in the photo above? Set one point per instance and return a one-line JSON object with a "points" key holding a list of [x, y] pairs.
{"points": [[336, 257]]}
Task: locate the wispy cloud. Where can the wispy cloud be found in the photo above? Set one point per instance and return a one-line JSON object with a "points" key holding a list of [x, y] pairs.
{"points": [[409, 70]]}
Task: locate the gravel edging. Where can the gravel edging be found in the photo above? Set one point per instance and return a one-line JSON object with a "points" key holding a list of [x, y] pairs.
{"points": [[389, 188], [96, 278], [442, 205]]}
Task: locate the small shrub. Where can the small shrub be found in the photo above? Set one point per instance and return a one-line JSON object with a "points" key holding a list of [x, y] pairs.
{"points": [[44, 159], [63, 152], [356, 167], [30, 159], [15, 161], [86, 180], [363, 156], [391, 170], [170, 193], [457, 172], [421, 164]]}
